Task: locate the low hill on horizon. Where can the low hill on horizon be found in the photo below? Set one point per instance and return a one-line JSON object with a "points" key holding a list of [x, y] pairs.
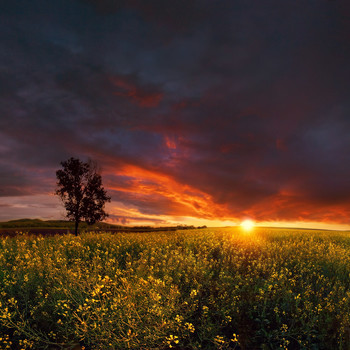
{"points": [[38, 223], [29, 224]]}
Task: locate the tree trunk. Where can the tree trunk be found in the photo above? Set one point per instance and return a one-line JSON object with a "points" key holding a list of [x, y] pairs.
{"points": [[76, 228]]}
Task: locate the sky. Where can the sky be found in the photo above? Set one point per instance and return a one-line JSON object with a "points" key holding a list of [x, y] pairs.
{"points": [[198, 112]]}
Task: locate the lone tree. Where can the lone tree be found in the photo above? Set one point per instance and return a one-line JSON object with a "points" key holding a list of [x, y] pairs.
{"points": [[80, 188]]}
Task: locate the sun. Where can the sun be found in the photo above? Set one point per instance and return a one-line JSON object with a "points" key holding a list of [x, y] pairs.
{"points": [[247, 225]]}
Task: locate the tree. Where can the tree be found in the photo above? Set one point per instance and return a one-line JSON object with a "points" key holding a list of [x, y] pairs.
{"points": [[80, 188]]}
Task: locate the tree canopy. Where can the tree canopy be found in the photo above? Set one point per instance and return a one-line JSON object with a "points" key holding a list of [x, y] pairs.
{"points": [[80, 188]]}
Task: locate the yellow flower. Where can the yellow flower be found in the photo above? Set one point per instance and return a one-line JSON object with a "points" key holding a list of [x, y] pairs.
{"points": [[190, 327]]}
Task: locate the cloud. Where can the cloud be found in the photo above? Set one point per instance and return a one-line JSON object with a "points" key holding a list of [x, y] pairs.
{"points": [[136, 220], [191, 109], [178, 15], [4, 205], [136, 94], [157, 193], [30, 206]]}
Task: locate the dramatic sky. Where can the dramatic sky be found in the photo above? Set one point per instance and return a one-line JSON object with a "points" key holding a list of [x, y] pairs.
{"points": [[198, 111]]}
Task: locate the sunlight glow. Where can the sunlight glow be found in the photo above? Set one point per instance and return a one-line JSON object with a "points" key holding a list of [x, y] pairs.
{"points": [[247, 225]]}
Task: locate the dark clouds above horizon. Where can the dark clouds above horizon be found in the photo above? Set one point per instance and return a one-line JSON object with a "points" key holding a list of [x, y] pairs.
{"points": [[202, 109]]}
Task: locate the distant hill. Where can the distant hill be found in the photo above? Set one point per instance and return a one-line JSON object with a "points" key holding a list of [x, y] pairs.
{"points": [[37, 223]]}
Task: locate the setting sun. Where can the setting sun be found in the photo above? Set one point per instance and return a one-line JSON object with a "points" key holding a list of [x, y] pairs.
{"points": [[247, 225]]}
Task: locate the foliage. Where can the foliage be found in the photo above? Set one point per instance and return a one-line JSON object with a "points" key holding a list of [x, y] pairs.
{"points": [[209, 289], [80, 188]]}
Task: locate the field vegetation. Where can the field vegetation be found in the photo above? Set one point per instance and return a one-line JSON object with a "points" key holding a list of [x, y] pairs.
{"points": [[193, 289]]}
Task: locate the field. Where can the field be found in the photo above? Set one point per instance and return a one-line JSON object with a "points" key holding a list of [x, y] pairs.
{"points": [[194, 289]]}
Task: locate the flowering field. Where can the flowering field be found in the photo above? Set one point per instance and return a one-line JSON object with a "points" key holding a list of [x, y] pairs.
{"points": [[194, 289]]}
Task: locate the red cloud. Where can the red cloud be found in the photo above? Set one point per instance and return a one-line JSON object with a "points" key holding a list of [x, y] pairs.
{"points": [[174, 198], [289, 206], [157, 196], [136, 94], [281, 145]]}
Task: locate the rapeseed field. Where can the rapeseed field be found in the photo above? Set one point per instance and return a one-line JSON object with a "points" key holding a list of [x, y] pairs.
{"points": [[194, 289]]}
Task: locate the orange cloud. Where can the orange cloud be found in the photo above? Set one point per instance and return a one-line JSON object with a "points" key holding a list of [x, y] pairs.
{"points": [[289, 206], [151, 196], [156, 187]]}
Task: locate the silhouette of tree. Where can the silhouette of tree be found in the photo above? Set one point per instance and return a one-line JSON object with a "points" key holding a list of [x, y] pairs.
{"points": [[80, 188]]}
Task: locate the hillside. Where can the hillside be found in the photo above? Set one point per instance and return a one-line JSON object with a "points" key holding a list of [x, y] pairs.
{"points": [[37, 223]]}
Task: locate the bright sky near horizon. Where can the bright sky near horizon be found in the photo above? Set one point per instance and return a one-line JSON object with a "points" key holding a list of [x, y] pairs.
{"points": [[198, 112]]}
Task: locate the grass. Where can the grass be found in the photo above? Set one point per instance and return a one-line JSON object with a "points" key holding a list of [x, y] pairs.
{"points": [[194, 289]]}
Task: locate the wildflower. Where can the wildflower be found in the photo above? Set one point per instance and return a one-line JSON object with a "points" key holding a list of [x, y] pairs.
{"points": [[190, 327], [194, 292], [178, 319], [172, 339], [284, 328], [219, 340], [234, 338]]}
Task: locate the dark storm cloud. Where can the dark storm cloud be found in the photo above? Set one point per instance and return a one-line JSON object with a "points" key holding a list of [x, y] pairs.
{"points": [[178, 15], [242, 103]]}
